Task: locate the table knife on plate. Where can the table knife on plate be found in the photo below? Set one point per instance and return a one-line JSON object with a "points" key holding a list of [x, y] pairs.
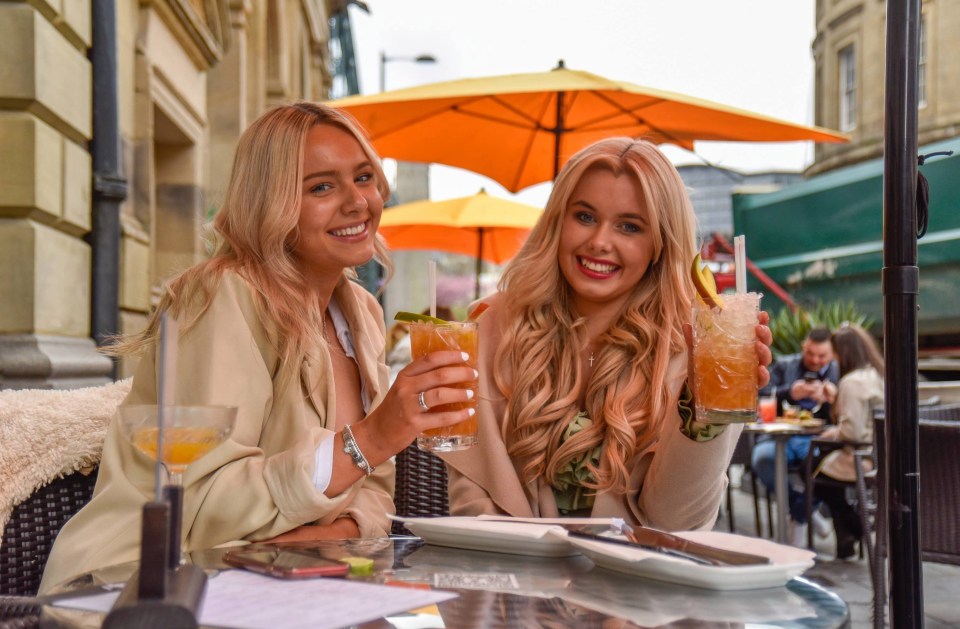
{"points": [[668, 543]]}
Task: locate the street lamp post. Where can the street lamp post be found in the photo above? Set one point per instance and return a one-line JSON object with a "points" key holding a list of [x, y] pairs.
{"points": [[384, 59]]}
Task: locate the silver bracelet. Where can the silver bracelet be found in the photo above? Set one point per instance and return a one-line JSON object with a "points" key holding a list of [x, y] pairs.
{"points": [[351, 448]]}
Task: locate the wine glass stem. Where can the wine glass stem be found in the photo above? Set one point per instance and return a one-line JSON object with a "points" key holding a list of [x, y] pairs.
{"points": [[173, 493]]}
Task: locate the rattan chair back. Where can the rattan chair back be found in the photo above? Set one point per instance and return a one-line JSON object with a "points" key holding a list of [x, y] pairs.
{"points": [[34, 525], [17, 612], [421, 486]]}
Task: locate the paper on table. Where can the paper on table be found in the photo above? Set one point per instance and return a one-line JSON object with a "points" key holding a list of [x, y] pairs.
{"points": [[244, 600]]}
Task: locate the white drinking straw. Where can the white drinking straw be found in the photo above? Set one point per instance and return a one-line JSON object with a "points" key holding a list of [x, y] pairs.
{"points": [[432, 285], [166, 384], [740, 262]]}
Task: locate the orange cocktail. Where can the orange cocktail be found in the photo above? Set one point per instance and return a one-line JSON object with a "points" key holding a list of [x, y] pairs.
{"points": [[725, 360], [434, 337], [181, 445]]}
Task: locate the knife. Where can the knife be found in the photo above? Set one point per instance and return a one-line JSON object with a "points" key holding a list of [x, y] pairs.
{"points": [[586, 533], [661, 539]]}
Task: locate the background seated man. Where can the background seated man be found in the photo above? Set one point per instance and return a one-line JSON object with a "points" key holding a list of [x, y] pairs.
{"points": [[808, 380]]}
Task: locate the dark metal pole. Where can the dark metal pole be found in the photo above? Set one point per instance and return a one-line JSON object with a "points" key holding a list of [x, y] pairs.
{"points": [[109, 186], [479, 270], [901, 281]]}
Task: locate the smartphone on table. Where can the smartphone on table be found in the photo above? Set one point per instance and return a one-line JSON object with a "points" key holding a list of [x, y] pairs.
{"points": [[285, 563]]}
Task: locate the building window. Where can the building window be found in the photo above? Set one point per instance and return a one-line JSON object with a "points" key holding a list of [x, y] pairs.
{"points": [[922, 65], [848, 89]]}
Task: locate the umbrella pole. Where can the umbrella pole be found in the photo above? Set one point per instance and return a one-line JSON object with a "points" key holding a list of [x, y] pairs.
{"points": [[476, 285], [557, 133], [901, 281]]}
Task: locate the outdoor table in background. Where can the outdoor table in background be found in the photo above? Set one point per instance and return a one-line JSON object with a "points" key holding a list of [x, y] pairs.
{"points": [[500, 590], [780, 431]]}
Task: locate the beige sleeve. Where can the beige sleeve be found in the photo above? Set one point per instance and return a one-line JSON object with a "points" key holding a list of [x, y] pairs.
{"points": [[852, 409]]}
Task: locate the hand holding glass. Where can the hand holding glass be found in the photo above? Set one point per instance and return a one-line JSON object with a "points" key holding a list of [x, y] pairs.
{"points": [[434, 337], [725, 359]]}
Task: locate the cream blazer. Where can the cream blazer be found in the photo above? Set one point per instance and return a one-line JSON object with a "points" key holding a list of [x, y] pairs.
{"points": [[676, 484], [858, 394], [259, 483]]}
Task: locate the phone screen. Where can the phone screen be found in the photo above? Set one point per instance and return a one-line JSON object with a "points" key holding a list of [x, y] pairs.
{"points": [[286, 564]]}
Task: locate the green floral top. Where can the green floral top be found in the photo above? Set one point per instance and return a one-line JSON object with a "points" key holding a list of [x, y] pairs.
{"points": [[571, 494]]}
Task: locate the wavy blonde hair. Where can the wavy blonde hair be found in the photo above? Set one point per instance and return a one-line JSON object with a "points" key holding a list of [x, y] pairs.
{"points": [[255, 230], [627, 396]]}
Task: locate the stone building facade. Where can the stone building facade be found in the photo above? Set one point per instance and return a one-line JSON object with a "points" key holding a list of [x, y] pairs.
{"points": [[849, 55], [191, 75]]}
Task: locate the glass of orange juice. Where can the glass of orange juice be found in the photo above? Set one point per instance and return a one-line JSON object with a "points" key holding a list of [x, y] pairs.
{"points": [[427, 337], [725, 360]]}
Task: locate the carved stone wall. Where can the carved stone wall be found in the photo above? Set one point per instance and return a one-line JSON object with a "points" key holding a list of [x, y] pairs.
{"points": [[192, 74], [861, 24]]}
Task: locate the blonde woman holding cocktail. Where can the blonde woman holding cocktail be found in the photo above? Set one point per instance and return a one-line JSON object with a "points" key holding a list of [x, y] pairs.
{"points": [[584, 408], [274, 324]]}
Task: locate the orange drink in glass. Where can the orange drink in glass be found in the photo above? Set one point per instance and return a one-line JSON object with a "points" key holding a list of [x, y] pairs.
{"points": [[725, 361], [434, 337]]}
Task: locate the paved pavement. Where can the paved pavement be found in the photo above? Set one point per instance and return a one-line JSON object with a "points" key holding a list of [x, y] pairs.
{"points": [[851, 579]]}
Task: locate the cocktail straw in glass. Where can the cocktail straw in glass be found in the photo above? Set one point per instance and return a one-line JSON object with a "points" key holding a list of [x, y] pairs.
{"points": [[740, 262], [166, 379], [432, 285]]}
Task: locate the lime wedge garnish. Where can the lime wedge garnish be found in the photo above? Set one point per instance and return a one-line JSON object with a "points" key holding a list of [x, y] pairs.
{"points": [[416, 317]]}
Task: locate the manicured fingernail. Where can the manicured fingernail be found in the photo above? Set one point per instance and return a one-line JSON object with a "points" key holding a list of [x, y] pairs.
{"points": [[471, 412], [469, 394], [476, 374], [465, 356]]}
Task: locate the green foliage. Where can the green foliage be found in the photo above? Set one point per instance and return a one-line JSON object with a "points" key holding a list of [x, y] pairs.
{"points": [[789, 328]]}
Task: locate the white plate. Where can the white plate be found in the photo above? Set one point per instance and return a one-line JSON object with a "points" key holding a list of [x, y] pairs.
{"points": [[787, 562], [515, 538]]}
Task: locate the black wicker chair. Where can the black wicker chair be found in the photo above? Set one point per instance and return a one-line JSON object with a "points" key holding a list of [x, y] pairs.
{"points": [[33, 526], [939, 497], [421, 486], [19, 612]]}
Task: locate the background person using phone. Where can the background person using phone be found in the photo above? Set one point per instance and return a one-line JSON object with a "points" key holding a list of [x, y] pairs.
{"points": [[807, 380]]}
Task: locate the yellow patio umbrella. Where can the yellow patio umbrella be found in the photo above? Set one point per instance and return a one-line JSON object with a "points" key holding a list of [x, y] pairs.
{"points": [[485, 227], [519, 129]]}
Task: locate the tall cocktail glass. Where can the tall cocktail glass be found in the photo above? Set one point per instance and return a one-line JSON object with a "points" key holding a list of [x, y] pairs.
{"points": [[189, 432], [434, 337], [725, 359]]}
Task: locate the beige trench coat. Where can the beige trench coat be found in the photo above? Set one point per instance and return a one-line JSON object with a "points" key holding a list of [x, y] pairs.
{"points": [[259, 483], [676, 484]]}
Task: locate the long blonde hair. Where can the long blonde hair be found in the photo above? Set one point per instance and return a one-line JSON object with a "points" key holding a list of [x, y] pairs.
{"points": [[255, 230], [627, 396]]}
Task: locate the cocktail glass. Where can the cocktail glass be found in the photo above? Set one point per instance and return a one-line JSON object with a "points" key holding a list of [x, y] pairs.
{"points": [[434, 337], [725, 359], [189, 432], [768, 408]]}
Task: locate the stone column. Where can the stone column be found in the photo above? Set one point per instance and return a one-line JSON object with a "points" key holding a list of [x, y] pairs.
{"points": [[45, 175]]}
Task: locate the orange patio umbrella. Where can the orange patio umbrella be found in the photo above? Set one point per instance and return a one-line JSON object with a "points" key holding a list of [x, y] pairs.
{"points": [[519, 129], [485, 227]]}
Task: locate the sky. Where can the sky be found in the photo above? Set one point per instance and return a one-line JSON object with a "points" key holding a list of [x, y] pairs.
{"points": [[752, 54]]}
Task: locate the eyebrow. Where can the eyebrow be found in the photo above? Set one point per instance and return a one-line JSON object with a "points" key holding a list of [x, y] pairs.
{"points": [[635, 217], [333, 173]]}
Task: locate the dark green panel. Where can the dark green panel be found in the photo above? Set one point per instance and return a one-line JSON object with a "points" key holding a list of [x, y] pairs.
{"points": [[823, 239]]}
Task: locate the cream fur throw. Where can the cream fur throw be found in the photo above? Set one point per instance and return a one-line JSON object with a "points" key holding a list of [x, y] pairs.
{"points": [[47, 433]]}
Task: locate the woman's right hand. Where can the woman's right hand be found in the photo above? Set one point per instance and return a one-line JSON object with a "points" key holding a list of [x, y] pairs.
{"points": [[399, 418]]}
